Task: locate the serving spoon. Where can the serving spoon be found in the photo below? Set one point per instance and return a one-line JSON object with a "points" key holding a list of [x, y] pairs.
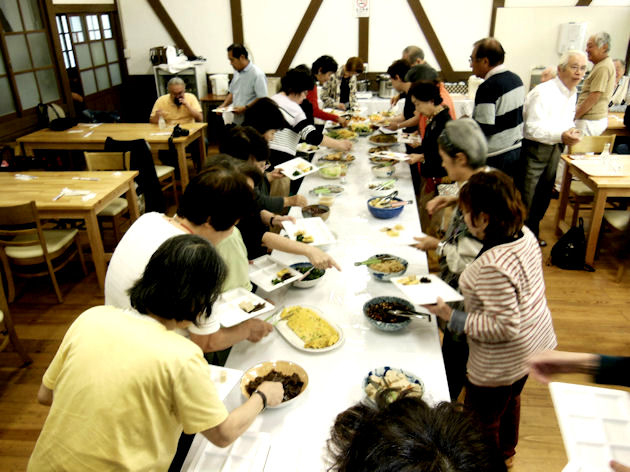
{"points": [[410, 314]]}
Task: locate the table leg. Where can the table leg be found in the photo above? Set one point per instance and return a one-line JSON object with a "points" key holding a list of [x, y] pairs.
{"points": [[596, 222], [132, 201], [96, 246], [181, 162], [202, 149], [565, 189]]}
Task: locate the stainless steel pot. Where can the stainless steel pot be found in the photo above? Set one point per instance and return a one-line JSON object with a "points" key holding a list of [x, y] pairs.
{"points": [[385, 88], [363, 85]]}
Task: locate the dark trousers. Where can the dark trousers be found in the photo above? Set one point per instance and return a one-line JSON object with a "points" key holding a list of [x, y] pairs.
{"points": [[455, 354], [540, 162], [499, 410], [508, 162]]}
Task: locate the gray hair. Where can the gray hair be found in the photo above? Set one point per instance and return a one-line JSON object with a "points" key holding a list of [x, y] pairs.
{"points": [[567, 55], [175, 81], [601, 39], [413, 54], [464, 135]]}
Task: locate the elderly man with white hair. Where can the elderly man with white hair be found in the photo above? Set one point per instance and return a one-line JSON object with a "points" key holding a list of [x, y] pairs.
{"points": [[591, 114], [548, 115], [177, 106]]}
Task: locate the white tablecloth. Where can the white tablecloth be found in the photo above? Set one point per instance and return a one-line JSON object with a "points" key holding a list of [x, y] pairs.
{"points": [[299, 432]]}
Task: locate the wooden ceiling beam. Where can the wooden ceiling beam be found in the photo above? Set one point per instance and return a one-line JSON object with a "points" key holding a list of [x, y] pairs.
{"points": [[298, 37], [583, 3], [171, 27], [431, 37], [493, 17], [364, 38], [237, 22]]}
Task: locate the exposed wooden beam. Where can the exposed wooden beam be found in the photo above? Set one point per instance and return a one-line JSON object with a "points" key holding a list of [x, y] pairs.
{"points": [[493, 18], [432, 39], [627, 56], [237, 21], [84, 8], [364, 38], [170, 26], [298, 37], [583, 3]]}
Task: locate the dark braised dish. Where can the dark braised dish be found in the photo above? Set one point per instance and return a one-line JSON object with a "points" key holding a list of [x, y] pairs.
{"points": [[379, 312], [292, 384]]}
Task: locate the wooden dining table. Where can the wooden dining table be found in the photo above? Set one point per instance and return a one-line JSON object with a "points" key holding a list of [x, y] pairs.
{"points": [[92, 136], [591, 171], [615, 125], [45, 189]]}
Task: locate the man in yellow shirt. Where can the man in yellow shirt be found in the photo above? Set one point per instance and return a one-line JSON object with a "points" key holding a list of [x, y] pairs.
{"points": [[123, 384], [177, 106]]}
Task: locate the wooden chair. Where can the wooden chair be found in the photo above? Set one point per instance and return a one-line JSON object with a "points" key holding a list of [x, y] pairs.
{"points": [[114, 212], [23, 244], [580, 193], [618, 221], [8, 334]]}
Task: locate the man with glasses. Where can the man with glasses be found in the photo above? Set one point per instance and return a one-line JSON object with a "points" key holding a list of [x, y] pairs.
{"points": [[591, 115], [548, 113], [498, 105], [176, 106]]}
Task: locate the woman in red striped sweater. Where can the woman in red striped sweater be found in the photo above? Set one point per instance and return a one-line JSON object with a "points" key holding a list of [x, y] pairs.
{"points": [[507, 319]]}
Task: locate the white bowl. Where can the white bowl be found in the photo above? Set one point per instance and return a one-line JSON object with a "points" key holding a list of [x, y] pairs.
{"points": [[284, 367], [383, 172]]}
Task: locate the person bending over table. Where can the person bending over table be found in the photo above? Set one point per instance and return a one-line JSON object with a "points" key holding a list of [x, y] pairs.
{"points": [[200, 212], [340, 91], [407, 434], [323, 68], [123, 386], [428, 102], [463, 148], [507, 320]]}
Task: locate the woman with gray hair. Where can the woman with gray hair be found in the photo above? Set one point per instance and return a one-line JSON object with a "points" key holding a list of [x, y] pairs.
{"points": [[463, 149]]}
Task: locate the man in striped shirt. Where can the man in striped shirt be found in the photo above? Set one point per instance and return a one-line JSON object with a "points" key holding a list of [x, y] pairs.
{"points": [[498, 105]]}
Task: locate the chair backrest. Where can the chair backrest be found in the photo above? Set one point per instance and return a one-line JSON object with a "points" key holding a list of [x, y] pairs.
{"points": [[592, 144], [107, 160], [21, 220]]}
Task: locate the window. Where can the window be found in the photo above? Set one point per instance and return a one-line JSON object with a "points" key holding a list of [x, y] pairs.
{"points": [[90, 52], [31, 76]]}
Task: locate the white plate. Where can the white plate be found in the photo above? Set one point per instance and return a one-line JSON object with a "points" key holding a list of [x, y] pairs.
{"points": [[311, 226], [327, 190], [228, 311], [405, 236], [307, 148], [399, 156], [385, 130], [248, 453], [373, 143], [294, 340], [291, 166], [594, 422], [427, 293], [265, 268], [224, 379], [408, 138], [223, 109]]}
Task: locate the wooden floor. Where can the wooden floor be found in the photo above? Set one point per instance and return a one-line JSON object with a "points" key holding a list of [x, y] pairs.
{"points": [[591, 313]]}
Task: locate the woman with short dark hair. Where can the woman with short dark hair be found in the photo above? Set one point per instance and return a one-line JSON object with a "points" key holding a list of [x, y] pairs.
{"points": [[123, 385], [507, 320], [340, 91]]}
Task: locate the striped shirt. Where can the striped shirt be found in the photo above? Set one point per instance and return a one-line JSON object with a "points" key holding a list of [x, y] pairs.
{"points": [[499, 110], [508, 319], [287, 139]]}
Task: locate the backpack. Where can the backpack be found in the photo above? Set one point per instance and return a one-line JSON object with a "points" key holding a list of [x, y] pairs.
{"points": [[569, 252], [51, 115]]}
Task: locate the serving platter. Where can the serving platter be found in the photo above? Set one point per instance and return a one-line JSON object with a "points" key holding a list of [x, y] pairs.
{"points": [[314, 227], [329, 189], [227, 308], [381, 144], [307, 148], [224, 379], [264, 269], [294, 340], [399, 156], [428, 292], [296, 166], [381, 371]]}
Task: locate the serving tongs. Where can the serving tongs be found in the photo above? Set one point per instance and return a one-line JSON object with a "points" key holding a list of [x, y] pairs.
{"points": [[410, 314], [385, 184], [388, 198]]}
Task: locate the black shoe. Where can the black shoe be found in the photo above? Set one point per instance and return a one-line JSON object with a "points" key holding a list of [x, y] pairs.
{"points": [[555, 194], [542, 243]]}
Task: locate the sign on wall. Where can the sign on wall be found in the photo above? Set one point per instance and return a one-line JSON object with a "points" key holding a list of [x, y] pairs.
{"points": [[361, 8]]}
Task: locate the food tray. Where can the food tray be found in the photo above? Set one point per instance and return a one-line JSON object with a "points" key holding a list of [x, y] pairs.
{"points": [[427, 293], [224, 379], [312, 226], [295, 341], [381, 371], [223, 109], [307, 148], [291, 166], [595, 424], [230, 314], [346, 158], [248, 453], [264, 269]]}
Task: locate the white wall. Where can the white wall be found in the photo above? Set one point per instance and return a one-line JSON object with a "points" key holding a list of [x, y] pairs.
{"points": [[529, 35]]}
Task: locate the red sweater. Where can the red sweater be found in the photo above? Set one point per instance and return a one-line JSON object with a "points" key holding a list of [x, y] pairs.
{"points": [[318, 112]]}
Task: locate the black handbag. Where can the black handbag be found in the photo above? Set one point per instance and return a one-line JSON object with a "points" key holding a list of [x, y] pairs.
{"points": [[569, 252]]}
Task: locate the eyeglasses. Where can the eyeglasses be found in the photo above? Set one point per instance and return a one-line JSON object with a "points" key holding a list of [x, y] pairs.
{"points": [[576, 68]]}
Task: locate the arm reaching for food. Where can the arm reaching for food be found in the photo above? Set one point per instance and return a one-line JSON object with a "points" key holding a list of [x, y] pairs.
{"points": [[318, 258], [439, 202]]}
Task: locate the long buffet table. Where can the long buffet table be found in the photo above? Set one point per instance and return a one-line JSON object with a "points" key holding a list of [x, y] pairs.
{"points": [[298, 433]]}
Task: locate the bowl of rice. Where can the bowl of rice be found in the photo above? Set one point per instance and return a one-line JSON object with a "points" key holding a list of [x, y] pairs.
{"points": [[387, 268]]}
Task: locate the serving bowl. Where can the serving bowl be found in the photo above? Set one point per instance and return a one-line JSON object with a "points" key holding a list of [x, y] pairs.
{"points": [[311, 211], [374, 312], [312, 279], [383, 171], [383, 192], [385, 213], [284, 367], [386, 276]]}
